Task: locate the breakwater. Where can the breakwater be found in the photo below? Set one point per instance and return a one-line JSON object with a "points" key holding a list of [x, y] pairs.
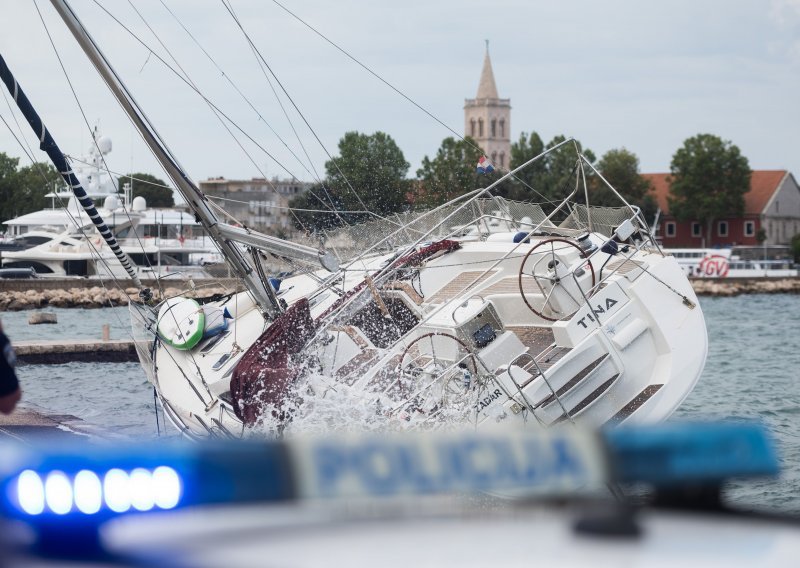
{"points": [[738, 286], [33, 294], [65, 351]]}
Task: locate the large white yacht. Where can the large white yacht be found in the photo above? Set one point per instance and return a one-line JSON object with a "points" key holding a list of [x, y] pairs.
{"points": [[62, 241]]}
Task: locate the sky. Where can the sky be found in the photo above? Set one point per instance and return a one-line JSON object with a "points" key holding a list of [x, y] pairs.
{"points": [[617, 73]]}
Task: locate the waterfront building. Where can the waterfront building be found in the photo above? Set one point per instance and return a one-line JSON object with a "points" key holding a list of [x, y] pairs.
{"points": [[772, 205], [258, 203], [487, 118]]}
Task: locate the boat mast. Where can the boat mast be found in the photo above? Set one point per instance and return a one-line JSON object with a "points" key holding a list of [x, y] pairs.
{"points": [[224, 235], [48, 144]]}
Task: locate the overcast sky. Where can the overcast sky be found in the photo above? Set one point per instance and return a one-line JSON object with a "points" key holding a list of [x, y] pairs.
{"points": [[618, 73]]}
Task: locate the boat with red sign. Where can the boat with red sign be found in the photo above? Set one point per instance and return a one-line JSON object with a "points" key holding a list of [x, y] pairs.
{"points": [[736, 262]]}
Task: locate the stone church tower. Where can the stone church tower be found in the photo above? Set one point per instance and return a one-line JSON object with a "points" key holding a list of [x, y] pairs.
{"points": [[487, 118]]}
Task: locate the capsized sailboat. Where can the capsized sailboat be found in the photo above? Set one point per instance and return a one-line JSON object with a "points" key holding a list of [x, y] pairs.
{"points": [[481, 311]]}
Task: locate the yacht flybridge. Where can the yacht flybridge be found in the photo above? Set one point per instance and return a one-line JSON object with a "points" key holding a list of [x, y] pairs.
{"points": [[482, 311]]}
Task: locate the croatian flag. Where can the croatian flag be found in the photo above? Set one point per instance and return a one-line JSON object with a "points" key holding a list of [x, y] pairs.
{"points": [[485, 166]]}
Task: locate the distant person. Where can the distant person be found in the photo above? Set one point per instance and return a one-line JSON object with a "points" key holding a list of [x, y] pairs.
{"points": [[9, 386]]}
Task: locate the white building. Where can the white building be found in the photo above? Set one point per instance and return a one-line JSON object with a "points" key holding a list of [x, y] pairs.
{"points": [[258, 202]]}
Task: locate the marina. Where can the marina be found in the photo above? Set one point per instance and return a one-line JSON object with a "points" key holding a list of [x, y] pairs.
{"points": [[319, 351]]}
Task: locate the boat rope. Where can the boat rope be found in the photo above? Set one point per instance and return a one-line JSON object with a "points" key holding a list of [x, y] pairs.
{"points": [[147, 294], [263, 63], [48, 144], [347, 54], [211, 104], [315, 174]]}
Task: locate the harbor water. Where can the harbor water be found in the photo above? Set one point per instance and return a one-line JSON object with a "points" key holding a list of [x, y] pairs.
{"points": [[752, 372]]}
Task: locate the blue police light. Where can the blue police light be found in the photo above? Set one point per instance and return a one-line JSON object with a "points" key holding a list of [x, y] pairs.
{"points": [[30, 492], [166, 488], [87, 493], [58, 492]]}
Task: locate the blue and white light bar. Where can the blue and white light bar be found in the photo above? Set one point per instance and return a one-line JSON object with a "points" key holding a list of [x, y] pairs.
{"points": [[98, 482]]}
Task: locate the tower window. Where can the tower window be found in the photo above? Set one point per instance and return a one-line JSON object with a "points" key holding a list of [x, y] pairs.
{"points": [[472, 128], [502, 159], [494, 157], [502, 128], [480, 128], [494, 128]]}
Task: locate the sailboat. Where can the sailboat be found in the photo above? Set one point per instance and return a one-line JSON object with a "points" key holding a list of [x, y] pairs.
{"points": [[482, 311]]}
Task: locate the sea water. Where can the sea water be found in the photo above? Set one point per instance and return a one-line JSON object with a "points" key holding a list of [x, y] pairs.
{"points": [[752, 372]]}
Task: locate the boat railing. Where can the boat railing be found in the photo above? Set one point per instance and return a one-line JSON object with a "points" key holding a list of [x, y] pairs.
{"points": [[532, 363]]}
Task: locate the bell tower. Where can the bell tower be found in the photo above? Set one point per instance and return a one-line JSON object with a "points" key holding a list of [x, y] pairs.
{"points": [[487, 118]]}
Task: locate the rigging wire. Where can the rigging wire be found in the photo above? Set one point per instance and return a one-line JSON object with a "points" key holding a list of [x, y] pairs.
{"points": [[86, 121], [198, 92], [395, 89], [193, 84], [216, 114], [244, 97], [261, 58]]}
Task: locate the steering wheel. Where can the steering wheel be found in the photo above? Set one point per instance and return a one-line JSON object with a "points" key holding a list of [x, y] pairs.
{"points": [[550, 276], [437, 379]]}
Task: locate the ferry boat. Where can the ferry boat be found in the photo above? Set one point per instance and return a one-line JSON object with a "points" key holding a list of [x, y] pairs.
{"points": [[735, 262]]}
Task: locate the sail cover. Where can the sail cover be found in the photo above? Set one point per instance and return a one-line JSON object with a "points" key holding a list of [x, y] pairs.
{"points": [[266, 371]]}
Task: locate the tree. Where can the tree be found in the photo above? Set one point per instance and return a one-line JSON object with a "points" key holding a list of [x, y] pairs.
{"points": [[36, 181], [154, 190], [620, 168], [314, 209], [552, 177], [369, 173], [708, 180], [23, 190], [8, 173], [527, 148], [452, 172]]}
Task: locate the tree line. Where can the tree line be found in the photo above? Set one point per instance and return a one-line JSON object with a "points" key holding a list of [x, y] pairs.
{"points": [[708, 177]]}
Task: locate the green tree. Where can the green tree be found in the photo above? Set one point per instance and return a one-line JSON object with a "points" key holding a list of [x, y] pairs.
{"points": [[620, 168], [708, 180], [154, 190], [552, 177], [23, 190], [314, 209], [524, 149], [796, 247], [452, 172], [36, 181], [8, 174], [369, 173]]}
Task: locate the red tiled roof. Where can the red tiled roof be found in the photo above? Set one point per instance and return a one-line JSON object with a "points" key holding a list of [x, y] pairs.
{"points": [[763, 184]]}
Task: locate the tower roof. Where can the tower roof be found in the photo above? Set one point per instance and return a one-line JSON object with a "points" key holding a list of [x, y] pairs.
{"points": [[487, 88]]}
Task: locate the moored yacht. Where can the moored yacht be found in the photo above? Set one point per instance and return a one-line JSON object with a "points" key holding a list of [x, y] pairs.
{"points": [[62, 241]]}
